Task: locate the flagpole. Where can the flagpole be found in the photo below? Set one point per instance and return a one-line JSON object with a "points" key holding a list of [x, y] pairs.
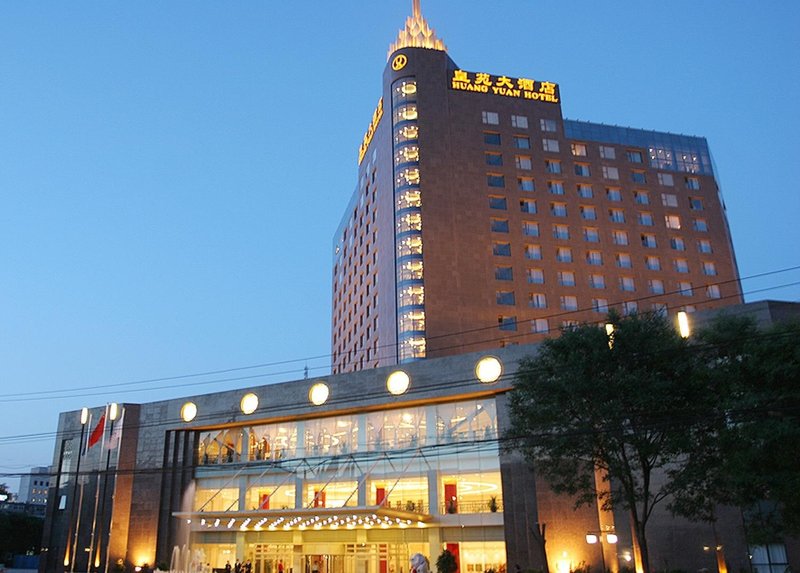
{"points": [[113, 410], [96, 494], [78, 477], [69, 557], [114, 491]]}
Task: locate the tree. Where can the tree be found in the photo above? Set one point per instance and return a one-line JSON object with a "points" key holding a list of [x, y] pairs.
{"points": [[446, 563], [749, 455], [620, 407]]}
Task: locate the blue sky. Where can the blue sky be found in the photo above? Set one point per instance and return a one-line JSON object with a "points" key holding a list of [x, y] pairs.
{"points": [[172, 173]]}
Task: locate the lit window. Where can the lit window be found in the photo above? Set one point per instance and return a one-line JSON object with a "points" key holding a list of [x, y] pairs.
{"points": [[498, 202], [564, 255], [540, 325], [594, 258], [530, 229], [533, 252], [641, 197], [666, 179], [569, 302], [555, 187], [695, 203], [558, 209], [588, 213], [627, 284], [610, 172], [495, 180], [522, 142], [634, 156], [619, 237], [613, 194], [527, 206], [523, 162], [616, 215], [638, 177], [504, 273], [607, 152], [692, 183], [566, 278], [591, 235], [491, 138], [494, 159], [672, 221], [653, 263], [537, 300], [552, 166], [597, 281], [490, 117], [499, 225], [656, 286], [645, 219], [507, 322], [547, 125], [712, 291], [578, 149], [585, 191], [550, 145], [630, 307], [535, 276], [560, 232], [685, 289], [700, 225], [681, 265], [505, 297], [525, 184], [704, 246], [582, 170], [677, 244], [709, 269], [624, 260], [649, 241], [501, 249], [519, 121]]}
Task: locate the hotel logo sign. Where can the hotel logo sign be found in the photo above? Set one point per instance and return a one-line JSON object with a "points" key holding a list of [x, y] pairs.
{"points": [[376, 119], [521, 88]]}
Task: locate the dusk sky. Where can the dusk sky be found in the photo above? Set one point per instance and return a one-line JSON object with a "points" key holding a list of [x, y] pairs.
{"points": [[172, 173]]}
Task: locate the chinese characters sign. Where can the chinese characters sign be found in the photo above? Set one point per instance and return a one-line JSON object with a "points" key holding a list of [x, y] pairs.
{"points": [[376, 118], [522, 88]]}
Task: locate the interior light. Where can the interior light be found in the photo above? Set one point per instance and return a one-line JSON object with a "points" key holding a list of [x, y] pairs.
{"points": [[318, 394], [249, 403], [398, 382], [488, 370], [188, 411]]}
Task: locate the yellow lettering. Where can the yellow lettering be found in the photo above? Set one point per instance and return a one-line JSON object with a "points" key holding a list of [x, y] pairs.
{"points": [[461, 76], [483, 79], [525, 84], [376, 118], [504, 82]]}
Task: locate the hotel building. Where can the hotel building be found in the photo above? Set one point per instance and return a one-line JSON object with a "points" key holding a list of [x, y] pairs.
{"points": [[482, 217]]}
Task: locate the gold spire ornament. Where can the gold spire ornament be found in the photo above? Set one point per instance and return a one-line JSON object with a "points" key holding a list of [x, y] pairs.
{"points": [[417, 33]]}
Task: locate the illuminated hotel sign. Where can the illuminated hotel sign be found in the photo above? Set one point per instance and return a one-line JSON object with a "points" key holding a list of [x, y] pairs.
{"points": [[521, 88], [376, 118]]}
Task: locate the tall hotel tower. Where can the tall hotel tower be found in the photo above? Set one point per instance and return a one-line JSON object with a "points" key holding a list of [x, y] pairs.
{"points": [[482, 217]]}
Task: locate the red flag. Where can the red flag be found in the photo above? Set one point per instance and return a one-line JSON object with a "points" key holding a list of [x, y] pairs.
{"points": [[97, 433]]}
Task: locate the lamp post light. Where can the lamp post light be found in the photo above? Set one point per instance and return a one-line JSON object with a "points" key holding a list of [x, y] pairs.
{"points": [[596, 538], [113, 414], [72, 540]]}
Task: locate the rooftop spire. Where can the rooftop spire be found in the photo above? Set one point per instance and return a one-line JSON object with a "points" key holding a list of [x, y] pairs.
{"points": [[417, 33]]}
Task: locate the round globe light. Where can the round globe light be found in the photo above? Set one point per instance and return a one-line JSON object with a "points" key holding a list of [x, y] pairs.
{"points": [[249, 403], [398, 382], [318, 394], [488, 369], [188, 411]]}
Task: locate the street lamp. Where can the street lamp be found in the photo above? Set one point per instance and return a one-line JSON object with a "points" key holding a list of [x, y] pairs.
{"points": [[596, 538], [69, 556]]}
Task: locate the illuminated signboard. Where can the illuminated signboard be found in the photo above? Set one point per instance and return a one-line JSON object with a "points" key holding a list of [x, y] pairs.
{"points": [[376, 118], [521, 88]]}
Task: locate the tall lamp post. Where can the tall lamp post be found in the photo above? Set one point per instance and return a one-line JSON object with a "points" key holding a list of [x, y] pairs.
{"points": [[113, 414], [69, 556], [596, 538]]}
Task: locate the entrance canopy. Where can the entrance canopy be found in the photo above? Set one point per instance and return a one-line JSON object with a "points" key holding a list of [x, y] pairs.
{"points": [[310, 518]]}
